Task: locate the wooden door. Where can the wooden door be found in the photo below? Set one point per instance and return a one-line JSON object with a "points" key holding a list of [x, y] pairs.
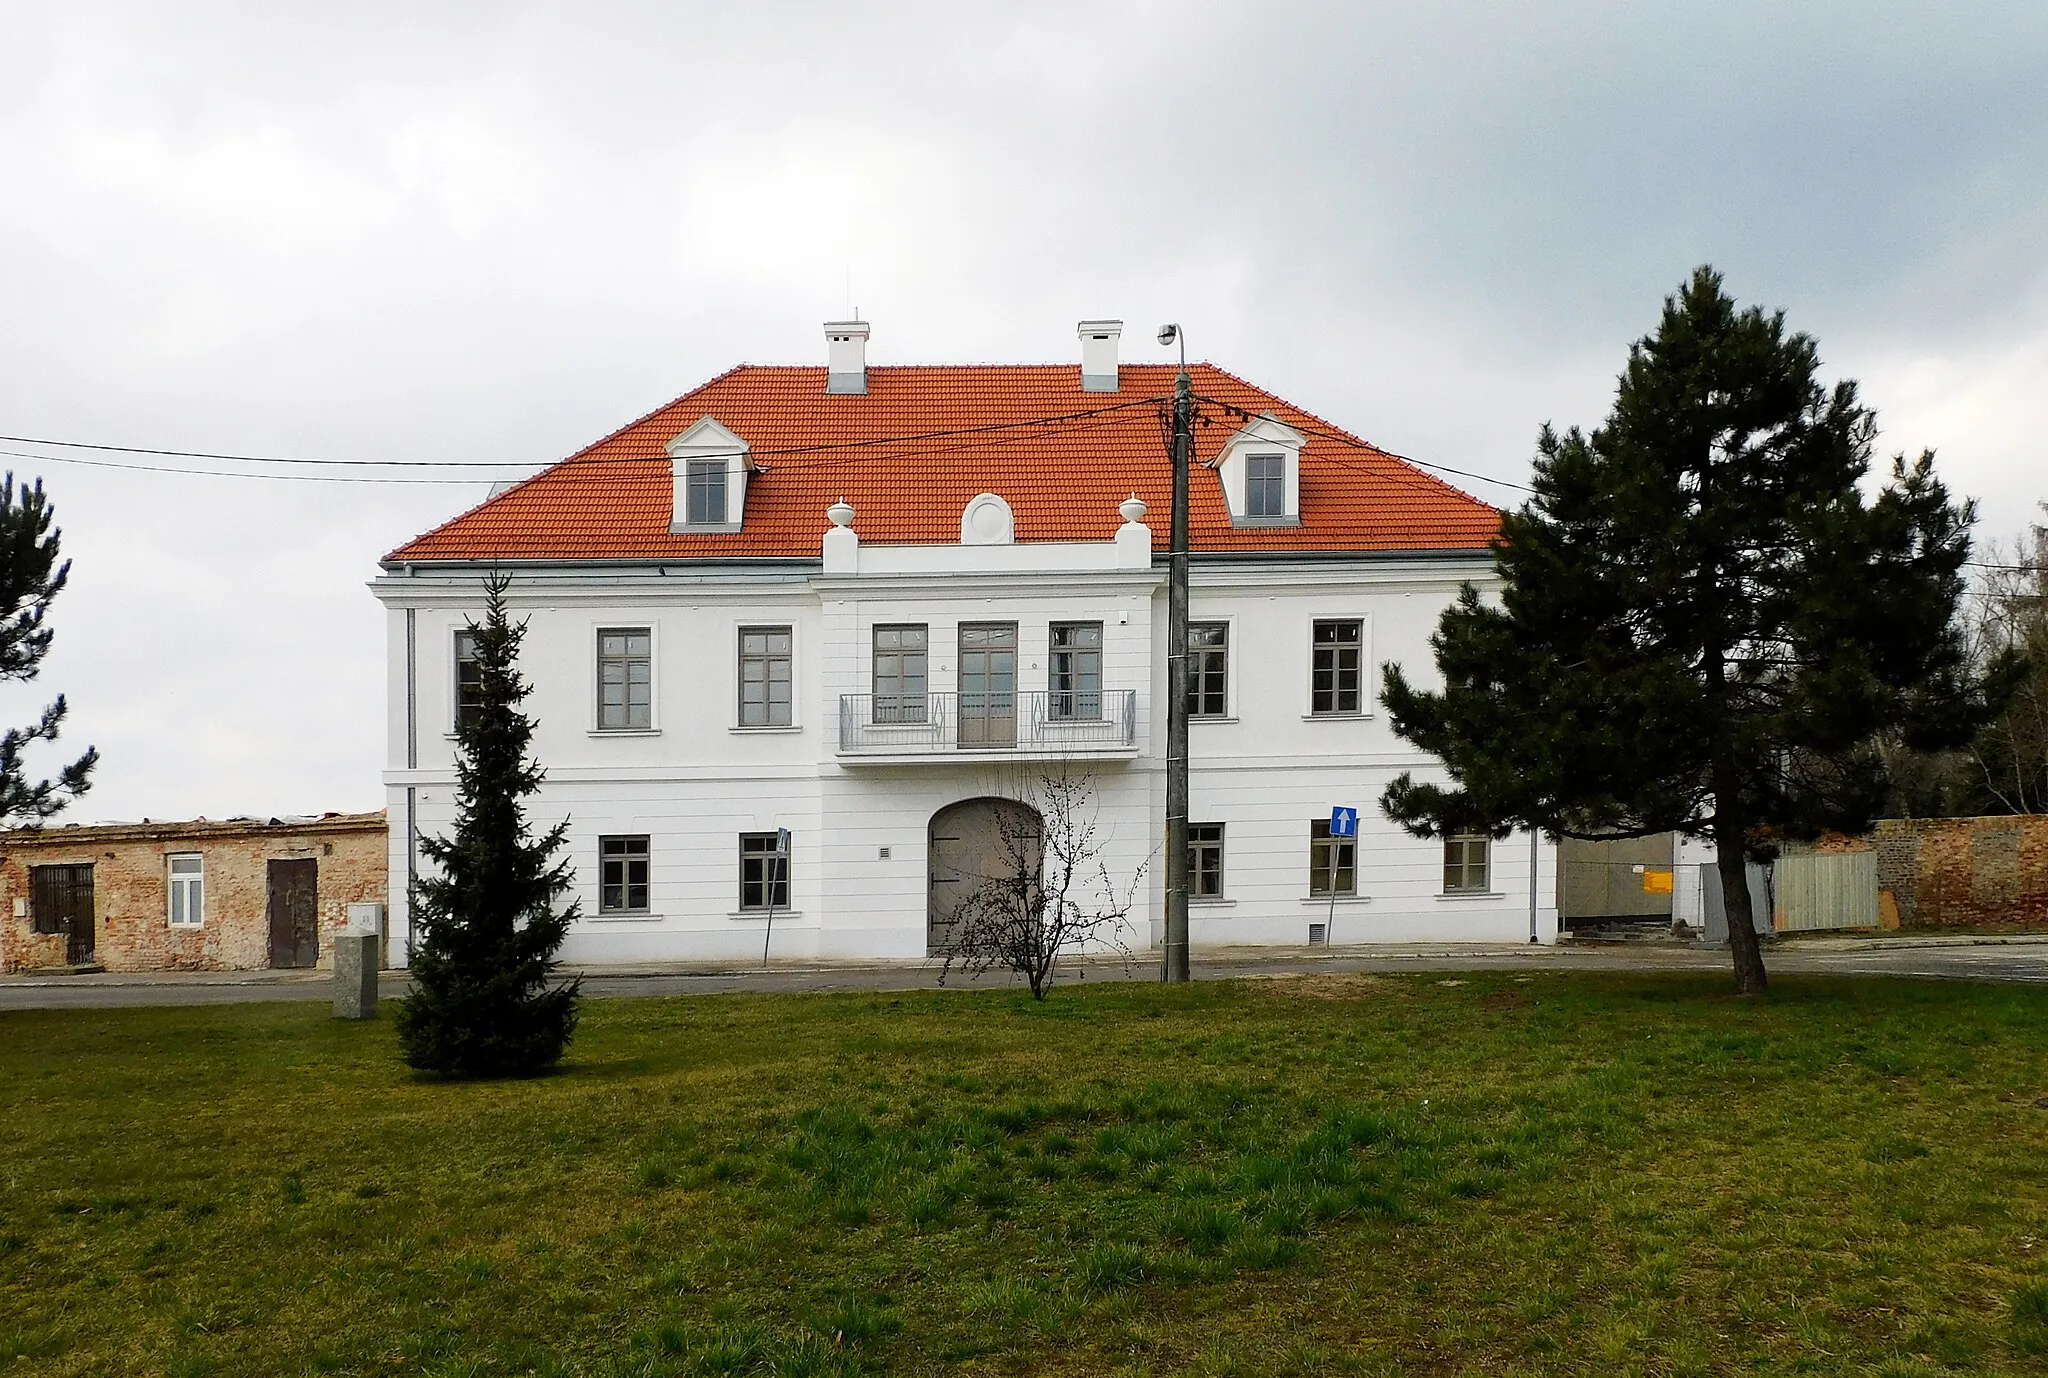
{"points": [[988, 684], [295, 913]]}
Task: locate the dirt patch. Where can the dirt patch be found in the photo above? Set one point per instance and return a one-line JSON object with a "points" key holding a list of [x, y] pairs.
{"points": [[1324, 985], [1506, 1000]]}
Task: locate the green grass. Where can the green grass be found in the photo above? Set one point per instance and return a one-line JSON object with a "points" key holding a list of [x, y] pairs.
{"points": [[1499, 1175]]}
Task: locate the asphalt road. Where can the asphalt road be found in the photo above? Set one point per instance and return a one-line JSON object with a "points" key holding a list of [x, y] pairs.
{"points": [[2011, 961]]}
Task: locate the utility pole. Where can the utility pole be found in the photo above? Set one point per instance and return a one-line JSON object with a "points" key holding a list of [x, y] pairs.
{"points": [[1176, 945]]}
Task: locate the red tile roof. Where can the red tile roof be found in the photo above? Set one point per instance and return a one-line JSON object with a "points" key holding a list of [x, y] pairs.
{"points": [[1063, 478]]}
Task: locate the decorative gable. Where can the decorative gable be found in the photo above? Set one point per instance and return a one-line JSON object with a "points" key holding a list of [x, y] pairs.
{"points": [[710, 467], [1260, 468]]}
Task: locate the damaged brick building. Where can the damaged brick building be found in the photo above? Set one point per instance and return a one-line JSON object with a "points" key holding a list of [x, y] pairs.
{"points": [[239, 894]]}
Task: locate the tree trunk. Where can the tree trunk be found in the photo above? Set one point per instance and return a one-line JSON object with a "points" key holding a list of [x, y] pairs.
{"points": [[1742, 941]]}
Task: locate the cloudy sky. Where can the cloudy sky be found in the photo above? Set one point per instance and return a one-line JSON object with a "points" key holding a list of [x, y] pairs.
{"points": [[492, 232]]}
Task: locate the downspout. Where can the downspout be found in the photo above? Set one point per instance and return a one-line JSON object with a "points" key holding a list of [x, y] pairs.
{"points": [[1535, 855], [412, 762]]}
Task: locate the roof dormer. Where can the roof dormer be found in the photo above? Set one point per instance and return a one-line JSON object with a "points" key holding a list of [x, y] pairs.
{"points": [[1261, 472], [711, 466]]}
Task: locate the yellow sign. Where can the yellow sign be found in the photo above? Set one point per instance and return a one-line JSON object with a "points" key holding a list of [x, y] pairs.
{"points": [[1656, 882]]}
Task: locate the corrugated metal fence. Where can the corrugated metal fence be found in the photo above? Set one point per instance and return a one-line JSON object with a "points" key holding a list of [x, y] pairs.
{"points": [[1820, 890]]}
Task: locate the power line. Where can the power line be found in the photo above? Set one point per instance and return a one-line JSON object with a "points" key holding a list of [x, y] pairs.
{"points": [[274, 459], [232, 473]]}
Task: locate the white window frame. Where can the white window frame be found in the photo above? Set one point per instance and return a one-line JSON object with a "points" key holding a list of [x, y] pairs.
{"points": [[184, 895], [593, 676]]}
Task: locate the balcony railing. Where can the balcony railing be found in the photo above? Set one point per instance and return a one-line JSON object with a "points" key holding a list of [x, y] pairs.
{"points": [[1042, 722]]}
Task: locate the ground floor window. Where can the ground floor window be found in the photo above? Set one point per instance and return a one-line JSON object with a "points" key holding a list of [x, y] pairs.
{"points": [[1465, 866], [188, 890], [764, 871], [1332, 861], [60, 896], [1205, 861], [622, 886]]}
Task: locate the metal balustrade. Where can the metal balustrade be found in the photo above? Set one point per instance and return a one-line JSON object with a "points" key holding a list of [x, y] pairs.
{"points": [[1041, 722]]}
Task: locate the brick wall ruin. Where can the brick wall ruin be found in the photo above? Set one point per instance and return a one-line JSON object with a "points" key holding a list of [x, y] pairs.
{"points": [[1976, 873], [130, 888]]}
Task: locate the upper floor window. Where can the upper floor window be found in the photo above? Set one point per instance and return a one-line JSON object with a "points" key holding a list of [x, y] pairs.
{"points": [[1208, 669], [1076, 680], [1265, 485], [187, 885], [469, 680], [625, 679], [900, 673], [765, 676], [706, 497], [1465, 859], [1337, 669]]}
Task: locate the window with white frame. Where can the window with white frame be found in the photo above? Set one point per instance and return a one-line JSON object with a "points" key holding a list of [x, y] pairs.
{"points": [[704, 502], [1337, 667], [1208, 669], [622, 875], [1265, 485], [900, 673], [1332, 861], [625, 679], [469, 680], [1465, 864], [765, 676], [1076, 677], [1205, 861], [764, 872], [186, 882]]}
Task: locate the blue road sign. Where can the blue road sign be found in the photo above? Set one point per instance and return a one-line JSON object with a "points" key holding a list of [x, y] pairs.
{"points": [[1343, 822]]}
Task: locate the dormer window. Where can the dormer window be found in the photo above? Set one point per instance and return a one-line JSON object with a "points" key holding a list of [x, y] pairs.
{"points": [[706, 499], [711, 467], [1265, 485], [1260, 468]]}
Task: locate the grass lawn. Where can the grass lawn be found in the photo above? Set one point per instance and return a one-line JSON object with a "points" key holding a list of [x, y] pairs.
{"points": [[1492, 1174]]}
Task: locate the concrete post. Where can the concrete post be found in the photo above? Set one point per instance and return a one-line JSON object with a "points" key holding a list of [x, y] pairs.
{"points": [[355, 976]]}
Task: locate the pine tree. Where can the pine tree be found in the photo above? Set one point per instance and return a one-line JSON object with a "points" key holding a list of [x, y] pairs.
{"points": [[487, 924], [1704, 625], [30, 578]]}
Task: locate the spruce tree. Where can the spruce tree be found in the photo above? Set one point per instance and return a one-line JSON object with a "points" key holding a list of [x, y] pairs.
{"points": [[31, 577], [1704, 624], [487, 924]]}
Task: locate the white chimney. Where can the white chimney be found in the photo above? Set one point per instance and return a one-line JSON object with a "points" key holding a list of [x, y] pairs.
{"points": [[1098, 355], [846, 356]]}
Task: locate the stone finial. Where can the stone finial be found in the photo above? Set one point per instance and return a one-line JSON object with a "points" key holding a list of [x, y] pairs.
{"points": [[840, 513], [1133, 508]]}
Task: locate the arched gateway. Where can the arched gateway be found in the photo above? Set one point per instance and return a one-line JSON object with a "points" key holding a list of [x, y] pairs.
{"points": [[970, 844]]}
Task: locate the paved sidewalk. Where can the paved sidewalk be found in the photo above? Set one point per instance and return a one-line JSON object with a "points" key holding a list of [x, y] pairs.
{"points": [[2022, 959]]}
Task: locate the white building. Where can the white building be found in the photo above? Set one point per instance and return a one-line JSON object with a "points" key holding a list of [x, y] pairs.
{"points": [[851, 602]]}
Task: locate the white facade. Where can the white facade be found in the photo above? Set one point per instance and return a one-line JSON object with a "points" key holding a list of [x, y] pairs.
{"points": [[858, 799]]}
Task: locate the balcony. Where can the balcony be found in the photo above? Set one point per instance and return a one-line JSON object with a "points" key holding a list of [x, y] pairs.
{"points": [[1044, 723]]}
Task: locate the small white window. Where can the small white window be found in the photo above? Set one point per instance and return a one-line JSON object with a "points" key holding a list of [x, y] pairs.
{"points": [[187, 890]]}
